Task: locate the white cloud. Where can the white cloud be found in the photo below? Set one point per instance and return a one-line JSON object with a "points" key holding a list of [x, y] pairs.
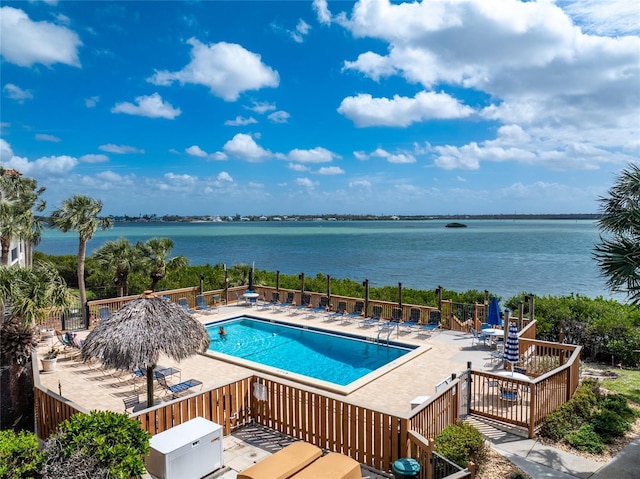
{"points": [[91, 101], [244, 147], [241, 121], [322, 11], [360, 155], [279, 117], [360, 184], [46, 137], [617, 17], [54, 166], [181, 180], [305, 183], [152, 106], [364, 110], [261, 107], [315, 155], [195, 150], [298, 167], [6, 153], [94, 158], [224, 176], [120, 149], [330, 170], [16, 93], [227, 69], [25, 42], [372, 65], [302, 29]]}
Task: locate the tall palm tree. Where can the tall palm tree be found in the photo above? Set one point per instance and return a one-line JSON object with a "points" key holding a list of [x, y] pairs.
{"points": [[618, 254], [120, 257], [80, 213], [19, 197], [26, 294], [154, 253]]}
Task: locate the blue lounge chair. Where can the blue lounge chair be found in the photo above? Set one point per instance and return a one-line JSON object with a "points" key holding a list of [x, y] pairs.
{"points": [[288, 302], [358, 309], [413, 323], [104, 312], [185, 305], [176, 389], [202, 305], [432, 325], [322, 306], [477, 338], [376, 315], [340, 311], [306, 303]]}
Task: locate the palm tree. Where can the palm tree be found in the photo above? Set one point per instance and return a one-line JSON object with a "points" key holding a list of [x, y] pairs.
{"points": [[154, 253], [80, 213], [118, 256], [618, 254], [19, 196], [26, 294]]}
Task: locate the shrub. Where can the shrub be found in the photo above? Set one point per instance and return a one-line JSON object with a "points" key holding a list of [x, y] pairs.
{"points": [[461, 443], [557, 425], [586, 439], [19, 455], [609, 425], [620, 405], [102, 444]]}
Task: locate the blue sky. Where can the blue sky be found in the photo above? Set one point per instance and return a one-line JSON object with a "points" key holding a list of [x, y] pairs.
{"points": [[293, 107]]}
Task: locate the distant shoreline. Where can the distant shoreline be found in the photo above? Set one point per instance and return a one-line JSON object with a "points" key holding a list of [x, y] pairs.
{"points": [[334, 217]]}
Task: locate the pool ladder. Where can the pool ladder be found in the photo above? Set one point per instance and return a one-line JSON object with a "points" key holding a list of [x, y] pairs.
{"points": [[389, 328]]}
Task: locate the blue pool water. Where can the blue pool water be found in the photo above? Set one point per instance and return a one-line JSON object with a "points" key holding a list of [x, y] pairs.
{"points": [[338, 359]]}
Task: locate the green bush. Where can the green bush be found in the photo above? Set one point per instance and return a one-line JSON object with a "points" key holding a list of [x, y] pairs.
{"points": [[586, 439], [19, 455], [609, 425], [557, 425], [102, 444], [461, 443], [620, 405]]}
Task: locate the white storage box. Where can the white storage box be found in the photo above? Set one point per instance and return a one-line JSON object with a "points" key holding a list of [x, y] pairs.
{"points": [[188, 451]]}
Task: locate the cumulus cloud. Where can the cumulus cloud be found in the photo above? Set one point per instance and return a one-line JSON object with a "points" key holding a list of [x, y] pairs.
{"points": [[364, 110], [360, 184], [16, 93], [261, 107], [322, 11], [195, 150], [53, 166], [227, 69], [390, 157], [152, 106], [525, 64], [244, 147], [46, 137], [305, 183], [91, 158], [120, 149], [330, 170], [298, 167], [241, 121], [302, 29], [279, 117], [25, 42], [315, 155], [91, 102], [224, 176]]}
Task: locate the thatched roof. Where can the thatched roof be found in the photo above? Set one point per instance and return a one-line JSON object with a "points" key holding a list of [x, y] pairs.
{"points": [[137, 334]]}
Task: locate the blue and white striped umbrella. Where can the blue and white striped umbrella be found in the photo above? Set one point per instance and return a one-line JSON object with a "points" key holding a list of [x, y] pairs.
{"points": [[511, 353]]}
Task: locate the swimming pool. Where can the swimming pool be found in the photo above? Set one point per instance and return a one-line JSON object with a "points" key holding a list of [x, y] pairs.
{"points": [[330, 357]]}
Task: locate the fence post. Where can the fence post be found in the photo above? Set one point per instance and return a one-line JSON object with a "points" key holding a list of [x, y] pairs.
{"points": [[472, 469], [430, 459]]}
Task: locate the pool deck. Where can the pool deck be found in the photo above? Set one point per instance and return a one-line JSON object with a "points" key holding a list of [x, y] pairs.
{"points": [[446, 352]]}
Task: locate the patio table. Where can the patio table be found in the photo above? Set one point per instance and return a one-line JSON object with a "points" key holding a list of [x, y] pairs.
{"points": [[250, 297]]}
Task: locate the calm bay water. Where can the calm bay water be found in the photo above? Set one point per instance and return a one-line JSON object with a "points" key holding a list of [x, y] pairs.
{"points": [[544, 257]]}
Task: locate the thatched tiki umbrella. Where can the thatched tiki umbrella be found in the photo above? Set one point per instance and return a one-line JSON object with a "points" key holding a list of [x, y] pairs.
{"points": [[135, 336]]}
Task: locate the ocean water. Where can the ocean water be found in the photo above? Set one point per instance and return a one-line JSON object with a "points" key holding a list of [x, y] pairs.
{"points": [[507, 257]]}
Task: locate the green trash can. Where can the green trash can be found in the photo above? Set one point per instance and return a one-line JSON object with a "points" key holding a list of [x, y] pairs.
{"points": [[406, 468]]}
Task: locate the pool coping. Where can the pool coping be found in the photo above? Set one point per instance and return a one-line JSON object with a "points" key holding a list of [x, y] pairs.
{"points": [[414, 352]]}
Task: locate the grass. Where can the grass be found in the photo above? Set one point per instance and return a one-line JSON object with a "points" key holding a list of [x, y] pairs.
{"points": [[627, 383]]}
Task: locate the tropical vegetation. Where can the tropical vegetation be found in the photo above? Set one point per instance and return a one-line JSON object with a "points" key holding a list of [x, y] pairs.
{"points": [[590, 420], [20, 457], [26, 296], [618, 253], [80, 213]]}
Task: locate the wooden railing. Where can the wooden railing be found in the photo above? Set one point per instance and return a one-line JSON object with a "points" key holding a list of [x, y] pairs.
{"points": [[51, 409]]}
